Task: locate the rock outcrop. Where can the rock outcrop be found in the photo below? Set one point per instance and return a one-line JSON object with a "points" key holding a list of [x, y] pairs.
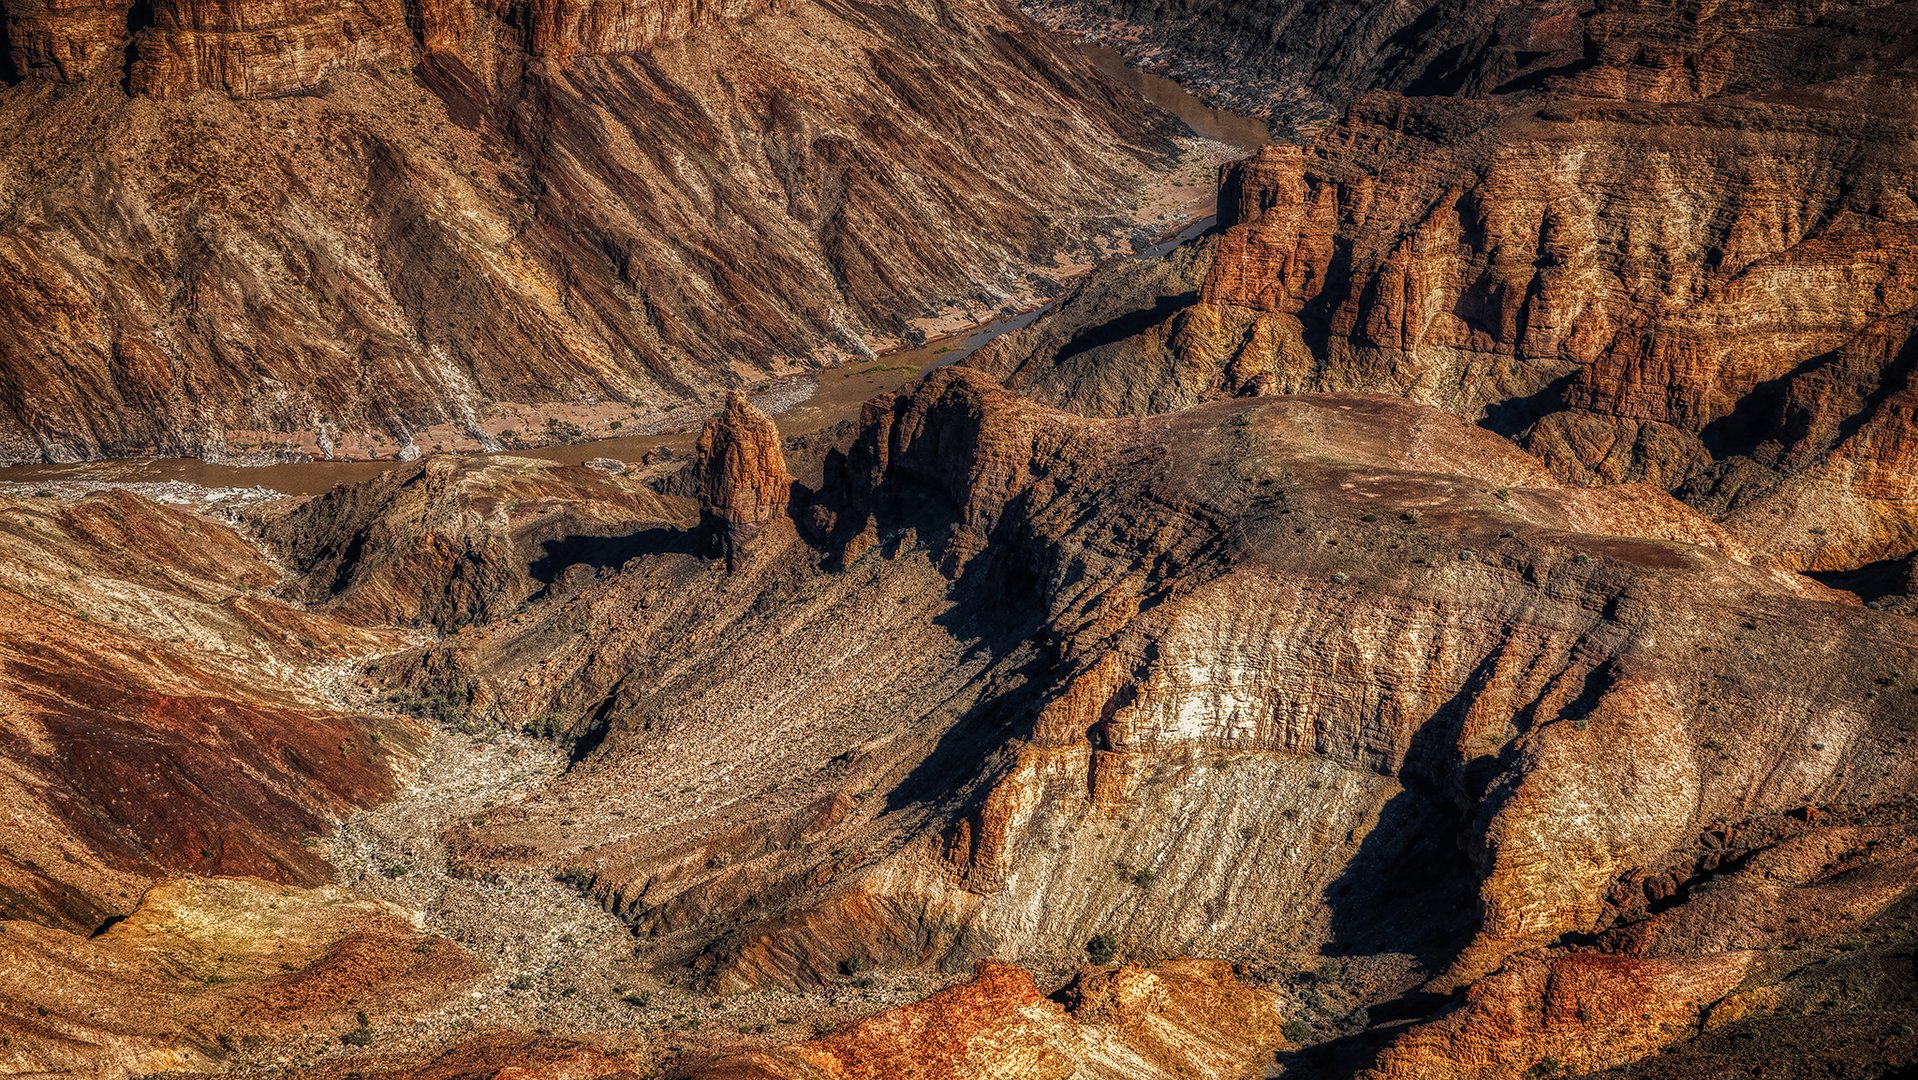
{"points": [[1184, 1018], [739, 477], [1065, 679], [1686, 260], [249, 49], [357, 229], [453, 541]]}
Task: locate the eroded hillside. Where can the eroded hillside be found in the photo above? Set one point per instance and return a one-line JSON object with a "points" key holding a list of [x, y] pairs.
{"points": [[1683, 261], [372, 228]]}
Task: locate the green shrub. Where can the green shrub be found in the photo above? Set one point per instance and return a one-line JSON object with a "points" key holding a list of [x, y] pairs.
{"points": [[1296, 1031], [1102, 948]]}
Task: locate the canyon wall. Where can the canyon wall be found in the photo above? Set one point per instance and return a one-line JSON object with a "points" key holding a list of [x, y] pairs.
{"points": [[246, 230], [1047, 681], [1685, 261]]}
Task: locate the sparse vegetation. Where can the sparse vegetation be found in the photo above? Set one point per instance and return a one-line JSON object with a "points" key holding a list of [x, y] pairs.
{"points": [[445, 706], [546, 725], [361, 1035], [1102, 948], [1296, 1031]]}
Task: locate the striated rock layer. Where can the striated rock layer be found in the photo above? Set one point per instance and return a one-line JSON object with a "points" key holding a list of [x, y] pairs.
{"points": [[1686, 259], [161, 711], [363, 228], [1249, 680]]}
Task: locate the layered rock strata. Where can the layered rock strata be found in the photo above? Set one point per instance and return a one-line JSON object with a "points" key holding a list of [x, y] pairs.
{"points": [[160, 716], [1063, 679], [1684, 260], [374, 229]]}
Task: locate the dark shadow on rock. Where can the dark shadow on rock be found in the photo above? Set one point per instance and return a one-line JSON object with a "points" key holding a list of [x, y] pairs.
{"points": [[1761, 416], [1131, 324], [1514, 415], [1872, 581], [1410, 887], [9, 73], [602, 552], [139, 17]]}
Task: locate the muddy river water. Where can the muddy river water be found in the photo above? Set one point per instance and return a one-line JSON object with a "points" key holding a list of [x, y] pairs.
{"points": [[799, 404]]}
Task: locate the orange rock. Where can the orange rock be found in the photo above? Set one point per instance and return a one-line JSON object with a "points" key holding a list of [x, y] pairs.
{"points": [[739, 473]]}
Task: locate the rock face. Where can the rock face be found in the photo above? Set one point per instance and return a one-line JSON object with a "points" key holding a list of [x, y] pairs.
{"points": [[1065, 678], [450, 541], [153, 721], [1300, 62], [351, 228], [1185, 1018], [1685, 260], [739, 476], [249, 49]]}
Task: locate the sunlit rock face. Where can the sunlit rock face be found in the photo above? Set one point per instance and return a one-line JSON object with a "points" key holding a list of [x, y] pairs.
{"points": [[1682, 260], [740, 477], [350, 229], [1245, 680]]}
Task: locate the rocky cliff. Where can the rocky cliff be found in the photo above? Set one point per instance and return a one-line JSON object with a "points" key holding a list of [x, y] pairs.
{"points": [[739, 476], [1685, 260], [1152, 681], [1300, 62], [243, 229]]}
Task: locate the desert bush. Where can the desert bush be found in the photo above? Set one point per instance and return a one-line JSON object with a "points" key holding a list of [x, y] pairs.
{"points": [[1102, 948]]}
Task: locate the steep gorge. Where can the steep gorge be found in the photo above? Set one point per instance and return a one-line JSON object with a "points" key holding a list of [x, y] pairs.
{"points": [[1369, 641], [1052, 679], [228, 229]]}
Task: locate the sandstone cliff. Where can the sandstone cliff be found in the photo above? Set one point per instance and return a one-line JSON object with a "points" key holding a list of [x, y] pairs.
{"points": [[739, 476], [1685, 260], [377, 228], [1064, 678]]}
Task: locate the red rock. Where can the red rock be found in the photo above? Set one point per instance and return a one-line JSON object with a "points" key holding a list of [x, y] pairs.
{"points": [[739, 474]]}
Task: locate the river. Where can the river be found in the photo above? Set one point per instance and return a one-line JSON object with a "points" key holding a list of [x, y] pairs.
{"points": [[800, 404]]}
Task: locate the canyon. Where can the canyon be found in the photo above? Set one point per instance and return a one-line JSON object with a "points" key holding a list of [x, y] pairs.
{"points": [[352, 229], [1450, 616]]}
